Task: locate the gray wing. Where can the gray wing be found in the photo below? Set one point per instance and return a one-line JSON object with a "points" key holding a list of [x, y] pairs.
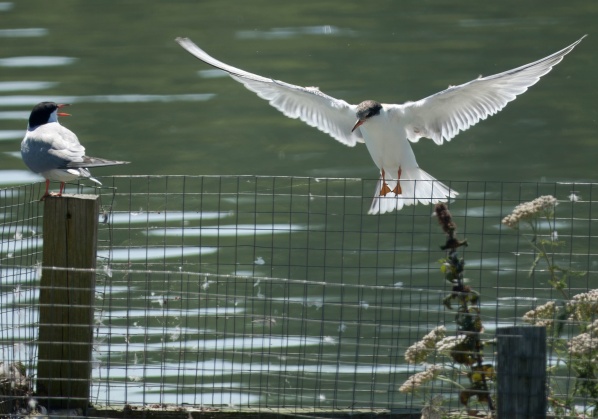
{"points": [[52, 146], [95, 162], [64, 143], [332, 116], [443, 115]]}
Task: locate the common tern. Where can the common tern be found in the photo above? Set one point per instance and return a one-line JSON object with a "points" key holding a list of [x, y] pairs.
{"points": [[54, 151], [388, 129]]}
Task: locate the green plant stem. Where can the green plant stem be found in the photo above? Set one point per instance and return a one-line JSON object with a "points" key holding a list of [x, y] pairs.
{"points": [[548, 258]]}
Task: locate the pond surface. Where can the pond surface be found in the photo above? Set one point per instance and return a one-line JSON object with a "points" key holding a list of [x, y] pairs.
{"points": [[138, 96]]}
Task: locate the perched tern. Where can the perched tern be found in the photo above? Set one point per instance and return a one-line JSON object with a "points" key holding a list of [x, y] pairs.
{"points": [[54, 151], [388, 129]]}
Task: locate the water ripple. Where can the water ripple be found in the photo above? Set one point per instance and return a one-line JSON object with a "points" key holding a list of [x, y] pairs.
{"points": [[19, 275], [20, 245], [15, 154], [23, 33], [288, 32], [232, 230], [129, 254], [36, 61], [166, 216], [12, 177], [16, 115], [212, 74], [534, 21], [24, 100], [11, 86], [11, 135]]}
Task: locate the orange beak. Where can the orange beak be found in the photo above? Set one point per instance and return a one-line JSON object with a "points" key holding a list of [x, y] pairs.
{"points": [[358, 124], [62, 105]]}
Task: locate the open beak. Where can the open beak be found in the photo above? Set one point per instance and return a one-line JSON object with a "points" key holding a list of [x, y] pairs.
{"points": [[62, 105], [358, 124]]}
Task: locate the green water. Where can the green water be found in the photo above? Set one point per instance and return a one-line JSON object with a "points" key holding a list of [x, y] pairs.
{"points": [[385, 50]]}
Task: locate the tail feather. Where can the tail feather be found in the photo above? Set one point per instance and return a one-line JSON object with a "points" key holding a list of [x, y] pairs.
{"points": [[417, 187], [83, 172], [94, 162]]}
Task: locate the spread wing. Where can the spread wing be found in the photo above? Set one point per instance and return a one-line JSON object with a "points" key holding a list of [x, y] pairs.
{"points": [[443, 115], [332, 116]]}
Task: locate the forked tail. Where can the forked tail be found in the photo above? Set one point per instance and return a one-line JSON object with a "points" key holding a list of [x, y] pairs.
{"points": [[417, 187]]}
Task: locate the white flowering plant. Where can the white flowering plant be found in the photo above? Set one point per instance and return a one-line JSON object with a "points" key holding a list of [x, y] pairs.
{"points": [[579, 353], [537, 214]]}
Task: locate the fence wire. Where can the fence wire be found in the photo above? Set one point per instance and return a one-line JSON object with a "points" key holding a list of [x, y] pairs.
{"points": [[270, 292]]}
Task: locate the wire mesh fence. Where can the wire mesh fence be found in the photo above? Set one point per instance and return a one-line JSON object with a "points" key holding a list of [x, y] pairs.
{"points": [[270, 292]]}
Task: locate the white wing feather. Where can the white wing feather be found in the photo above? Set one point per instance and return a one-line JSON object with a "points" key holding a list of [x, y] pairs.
{"points": [[63, 143], [332, 116], [443, 115]]}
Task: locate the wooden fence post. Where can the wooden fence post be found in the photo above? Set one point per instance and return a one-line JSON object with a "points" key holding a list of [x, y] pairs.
{"points": [[521, 372], [66, 301]]}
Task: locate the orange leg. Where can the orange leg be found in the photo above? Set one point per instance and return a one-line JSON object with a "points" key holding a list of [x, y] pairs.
{"points": [[47, 193], [384, 189], [398, 190]]}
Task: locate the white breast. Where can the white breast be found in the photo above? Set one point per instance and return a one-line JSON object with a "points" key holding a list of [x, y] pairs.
{"points": [[387, 143]]}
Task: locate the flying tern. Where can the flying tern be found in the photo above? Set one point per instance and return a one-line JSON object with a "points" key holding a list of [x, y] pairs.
{"points": [[388, 129]]}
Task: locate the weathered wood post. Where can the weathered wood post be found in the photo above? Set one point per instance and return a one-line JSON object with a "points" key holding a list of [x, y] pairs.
{"points": [[521, 372], [66, 301]]}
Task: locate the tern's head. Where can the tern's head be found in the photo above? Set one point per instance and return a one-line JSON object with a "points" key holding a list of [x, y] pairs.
{"points": [[366, 110], [45, 112]]}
